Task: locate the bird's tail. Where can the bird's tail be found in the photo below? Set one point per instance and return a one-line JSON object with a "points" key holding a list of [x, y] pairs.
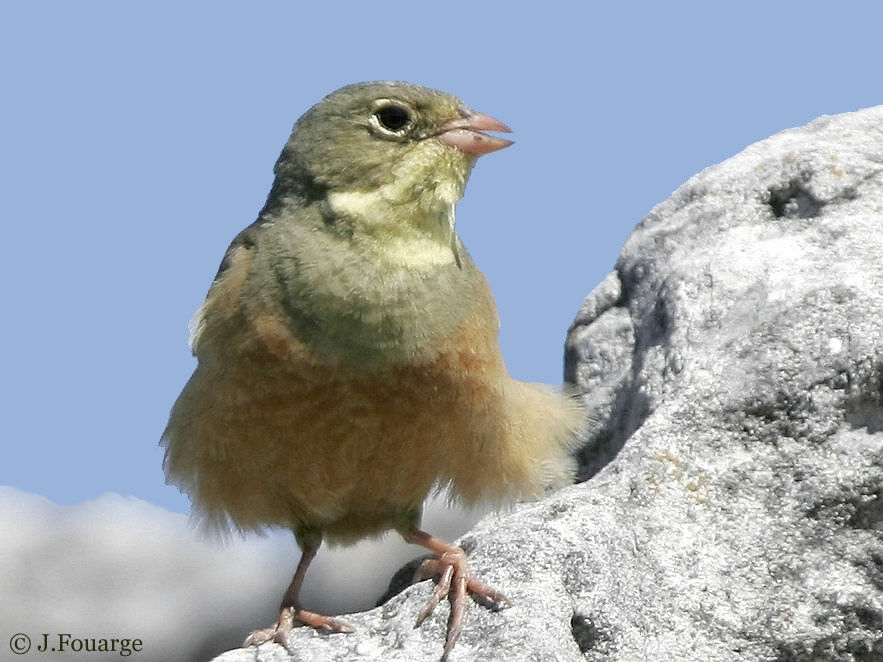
{"points": [[527, 450], [548, 425]]}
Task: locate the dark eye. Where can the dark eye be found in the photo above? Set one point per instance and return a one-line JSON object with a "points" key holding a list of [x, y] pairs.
{"points": [[392, 117]]}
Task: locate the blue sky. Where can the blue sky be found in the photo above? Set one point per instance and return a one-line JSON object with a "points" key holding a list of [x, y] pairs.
{"points": [[138, 138]]}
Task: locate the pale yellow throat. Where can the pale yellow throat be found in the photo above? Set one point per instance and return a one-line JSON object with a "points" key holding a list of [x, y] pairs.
{"points": [[410, 221]]}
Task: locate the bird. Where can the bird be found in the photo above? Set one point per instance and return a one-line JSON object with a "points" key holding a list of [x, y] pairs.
{"points": [[348, 357]]}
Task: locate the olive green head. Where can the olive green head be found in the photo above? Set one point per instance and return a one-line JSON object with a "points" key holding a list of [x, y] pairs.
{"points": [[362, 136]]}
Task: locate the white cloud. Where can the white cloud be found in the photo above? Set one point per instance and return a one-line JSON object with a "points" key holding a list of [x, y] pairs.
{"points": [[119, 567]]}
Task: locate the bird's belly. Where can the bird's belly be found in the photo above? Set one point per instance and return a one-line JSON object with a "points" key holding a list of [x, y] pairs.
{"points": [[266, 447]]}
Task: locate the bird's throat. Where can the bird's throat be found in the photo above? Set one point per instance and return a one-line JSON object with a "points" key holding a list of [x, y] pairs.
{"points": [[409, 221], [408, 234]]}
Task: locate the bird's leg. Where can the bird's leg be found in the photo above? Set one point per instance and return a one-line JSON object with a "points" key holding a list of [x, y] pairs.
{"points": [[291, 613], [455, 580]]}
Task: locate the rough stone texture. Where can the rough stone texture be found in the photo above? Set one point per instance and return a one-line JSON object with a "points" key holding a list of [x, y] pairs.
{"points": [[734, 507]]}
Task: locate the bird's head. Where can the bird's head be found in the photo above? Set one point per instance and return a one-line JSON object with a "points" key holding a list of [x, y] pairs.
{"points": [[391, 161], [386, 134]]}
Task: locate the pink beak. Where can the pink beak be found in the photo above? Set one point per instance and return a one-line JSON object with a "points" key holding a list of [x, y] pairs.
{"points": [[465, 133]]}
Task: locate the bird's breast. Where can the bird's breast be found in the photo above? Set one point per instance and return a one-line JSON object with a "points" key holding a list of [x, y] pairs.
{"points": [[376, 301]]}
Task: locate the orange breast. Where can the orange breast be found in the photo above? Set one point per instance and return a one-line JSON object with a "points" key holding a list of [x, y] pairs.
{"points": [[268, 436]]}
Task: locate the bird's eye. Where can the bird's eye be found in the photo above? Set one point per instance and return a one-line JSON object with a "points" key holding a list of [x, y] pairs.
{"points": [[393, 117]]}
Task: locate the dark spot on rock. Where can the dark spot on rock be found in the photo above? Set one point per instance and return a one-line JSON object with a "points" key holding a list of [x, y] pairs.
{"points": [[794, 201], [868, 513], [661, 325], [632, 408], [571, 362], [864, 405], [587, 635], [869, 617], [402, 579], [873, 566]]}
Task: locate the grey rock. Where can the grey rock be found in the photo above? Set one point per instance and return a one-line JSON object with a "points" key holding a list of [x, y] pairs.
{"points": [[733, 360], [733, 507]]}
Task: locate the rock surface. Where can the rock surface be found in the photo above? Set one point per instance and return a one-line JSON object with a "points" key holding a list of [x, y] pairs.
{"points": [[733, 362]]}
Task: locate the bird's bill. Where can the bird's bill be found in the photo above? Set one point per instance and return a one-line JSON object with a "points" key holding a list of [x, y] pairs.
{"points": [[465, 133]]}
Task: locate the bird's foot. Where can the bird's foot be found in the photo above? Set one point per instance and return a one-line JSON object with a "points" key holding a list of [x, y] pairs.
{"points": [[291, 617], [455, 580]]}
